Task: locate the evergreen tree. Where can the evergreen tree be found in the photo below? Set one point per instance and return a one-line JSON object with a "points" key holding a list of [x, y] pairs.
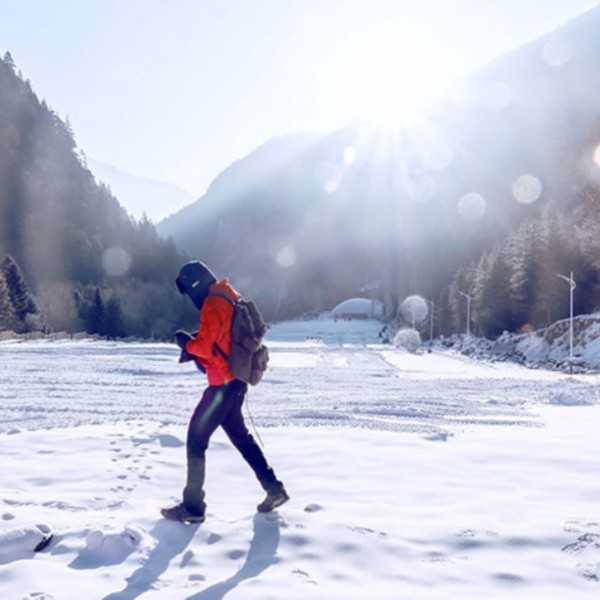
{"points": [[97, 314], [6, 312], [21, 300], [114, 326], [8, 61], [522, 261], [552, 298], [491, 310]]}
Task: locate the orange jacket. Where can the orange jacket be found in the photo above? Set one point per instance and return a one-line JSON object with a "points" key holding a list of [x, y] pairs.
{"points": [[215, 326]]}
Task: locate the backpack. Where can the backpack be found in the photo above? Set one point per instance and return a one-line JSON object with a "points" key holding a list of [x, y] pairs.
{"points": [[249, 356]]}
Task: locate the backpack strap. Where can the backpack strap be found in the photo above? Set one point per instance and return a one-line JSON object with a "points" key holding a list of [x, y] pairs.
{"points": [[223, 295], [232, 302], [220, 351]]}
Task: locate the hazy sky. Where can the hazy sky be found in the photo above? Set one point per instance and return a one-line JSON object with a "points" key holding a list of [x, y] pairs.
{"points": [[178, 89]]}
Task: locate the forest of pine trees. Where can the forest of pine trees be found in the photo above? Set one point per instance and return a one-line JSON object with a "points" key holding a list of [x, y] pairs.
{"points": [[516, 286], [88, 266]]}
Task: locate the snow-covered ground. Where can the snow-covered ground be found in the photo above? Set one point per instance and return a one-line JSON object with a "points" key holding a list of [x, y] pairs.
{"points": [[412, 476]]}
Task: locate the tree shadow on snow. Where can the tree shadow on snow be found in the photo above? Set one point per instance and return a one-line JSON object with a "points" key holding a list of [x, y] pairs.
{"points": [[172, 538], [261, 555]]}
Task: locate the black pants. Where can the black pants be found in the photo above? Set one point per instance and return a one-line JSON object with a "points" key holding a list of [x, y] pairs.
{"points": [[221, 405]]}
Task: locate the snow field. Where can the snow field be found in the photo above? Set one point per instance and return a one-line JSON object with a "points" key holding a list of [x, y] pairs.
{"points": [[411, 476]]}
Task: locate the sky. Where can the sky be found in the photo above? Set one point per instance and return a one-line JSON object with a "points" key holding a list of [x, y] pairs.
{"points": [[176, 90]]}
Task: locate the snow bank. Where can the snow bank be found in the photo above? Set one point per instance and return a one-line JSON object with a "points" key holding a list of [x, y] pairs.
{"points": [[545, 348], [22, 542]]}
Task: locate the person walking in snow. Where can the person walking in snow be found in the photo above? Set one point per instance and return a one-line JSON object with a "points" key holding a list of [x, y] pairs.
{"points": [[221, 402]]}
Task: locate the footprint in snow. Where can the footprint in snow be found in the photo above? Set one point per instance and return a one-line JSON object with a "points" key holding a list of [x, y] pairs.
{"points": [[303, 575], [589, 571], [104, 548]]}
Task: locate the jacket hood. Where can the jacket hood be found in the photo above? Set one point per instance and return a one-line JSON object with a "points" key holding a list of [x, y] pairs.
{"points": [[195, 279]]}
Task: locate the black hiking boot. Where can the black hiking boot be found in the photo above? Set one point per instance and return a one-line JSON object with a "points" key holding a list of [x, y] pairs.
{"points": [[273, 500], [180, 513]]}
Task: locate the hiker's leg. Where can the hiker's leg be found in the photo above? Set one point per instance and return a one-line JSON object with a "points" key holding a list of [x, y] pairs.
{"points": [[238, 433], [206, 418]]}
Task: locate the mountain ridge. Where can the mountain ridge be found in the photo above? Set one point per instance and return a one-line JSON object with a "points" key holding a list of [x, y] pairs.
{"points": [[394, 205], [141, 195]]}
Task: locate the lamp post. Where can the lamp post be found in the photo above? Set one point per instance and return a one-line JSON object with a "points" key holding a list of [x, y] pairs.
{"points": [[468, 312], [572, 286], [432, 304]]}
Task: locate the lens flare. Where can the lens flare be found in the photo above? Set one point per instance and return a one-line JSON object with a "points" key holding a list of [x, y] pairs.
{"points": [[286, 257], [597, 156], [414, 309], [527, 189], [471, 206], [409, 339], [557, 51], [116, 261], [350, 155], [328, 176]]}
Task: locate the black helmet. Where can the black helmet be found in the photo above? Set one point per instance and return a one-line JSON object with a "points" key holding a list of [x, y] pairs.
{"points": [[194, 280]]}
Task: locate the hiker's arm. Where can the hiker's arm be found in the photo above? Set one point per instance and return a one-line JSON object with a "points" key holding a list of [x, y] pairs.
{"points": [[202, 345]]}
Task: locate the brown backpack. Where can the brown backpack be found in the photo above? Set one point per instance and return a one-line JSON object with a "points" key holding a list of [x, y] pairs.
{"points": [[248, 356]]}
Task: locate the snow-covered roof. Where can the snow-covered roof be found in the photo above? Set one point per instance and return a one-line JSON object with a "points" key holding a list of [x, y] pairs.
{"points": [[361, 307]]}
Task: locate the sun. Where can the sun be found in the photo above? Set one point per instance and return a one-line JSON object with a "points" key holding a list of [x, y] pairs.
{"points": [[386, 76]]}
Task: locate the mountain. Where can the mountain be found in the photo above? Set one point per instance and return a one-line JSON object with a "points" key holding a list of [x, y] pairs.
{"points": [[90, 266], [306, 221], [140, 195]]}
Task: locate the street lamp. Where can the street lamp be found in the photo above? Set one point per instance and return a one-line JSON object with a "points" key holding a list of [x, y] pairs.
{"points": [[432, 304], [468, 312], [572, 286]]}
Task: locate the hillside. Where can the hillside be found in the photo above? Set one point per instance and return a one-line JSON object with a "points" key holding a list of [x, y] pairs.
{"points": [[303, 223], [90, 266]]}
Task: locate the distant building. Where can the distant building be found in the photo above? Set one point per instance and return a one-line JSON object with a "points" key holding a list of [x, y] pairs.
{"points": [[358, 308]]}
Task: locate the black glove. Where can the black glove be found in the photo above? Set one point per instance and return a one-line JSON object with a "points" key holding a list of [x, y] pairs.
{"points": [[182, 338]]}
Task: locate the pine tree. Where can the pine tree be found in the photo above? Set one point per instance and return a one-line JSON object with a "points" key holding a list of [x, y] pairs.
{"points": [[556, 257], [8, 61], [114, 326], [491, 310], [20, 298], [522, 260], [6, 312], [97, 316]]}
